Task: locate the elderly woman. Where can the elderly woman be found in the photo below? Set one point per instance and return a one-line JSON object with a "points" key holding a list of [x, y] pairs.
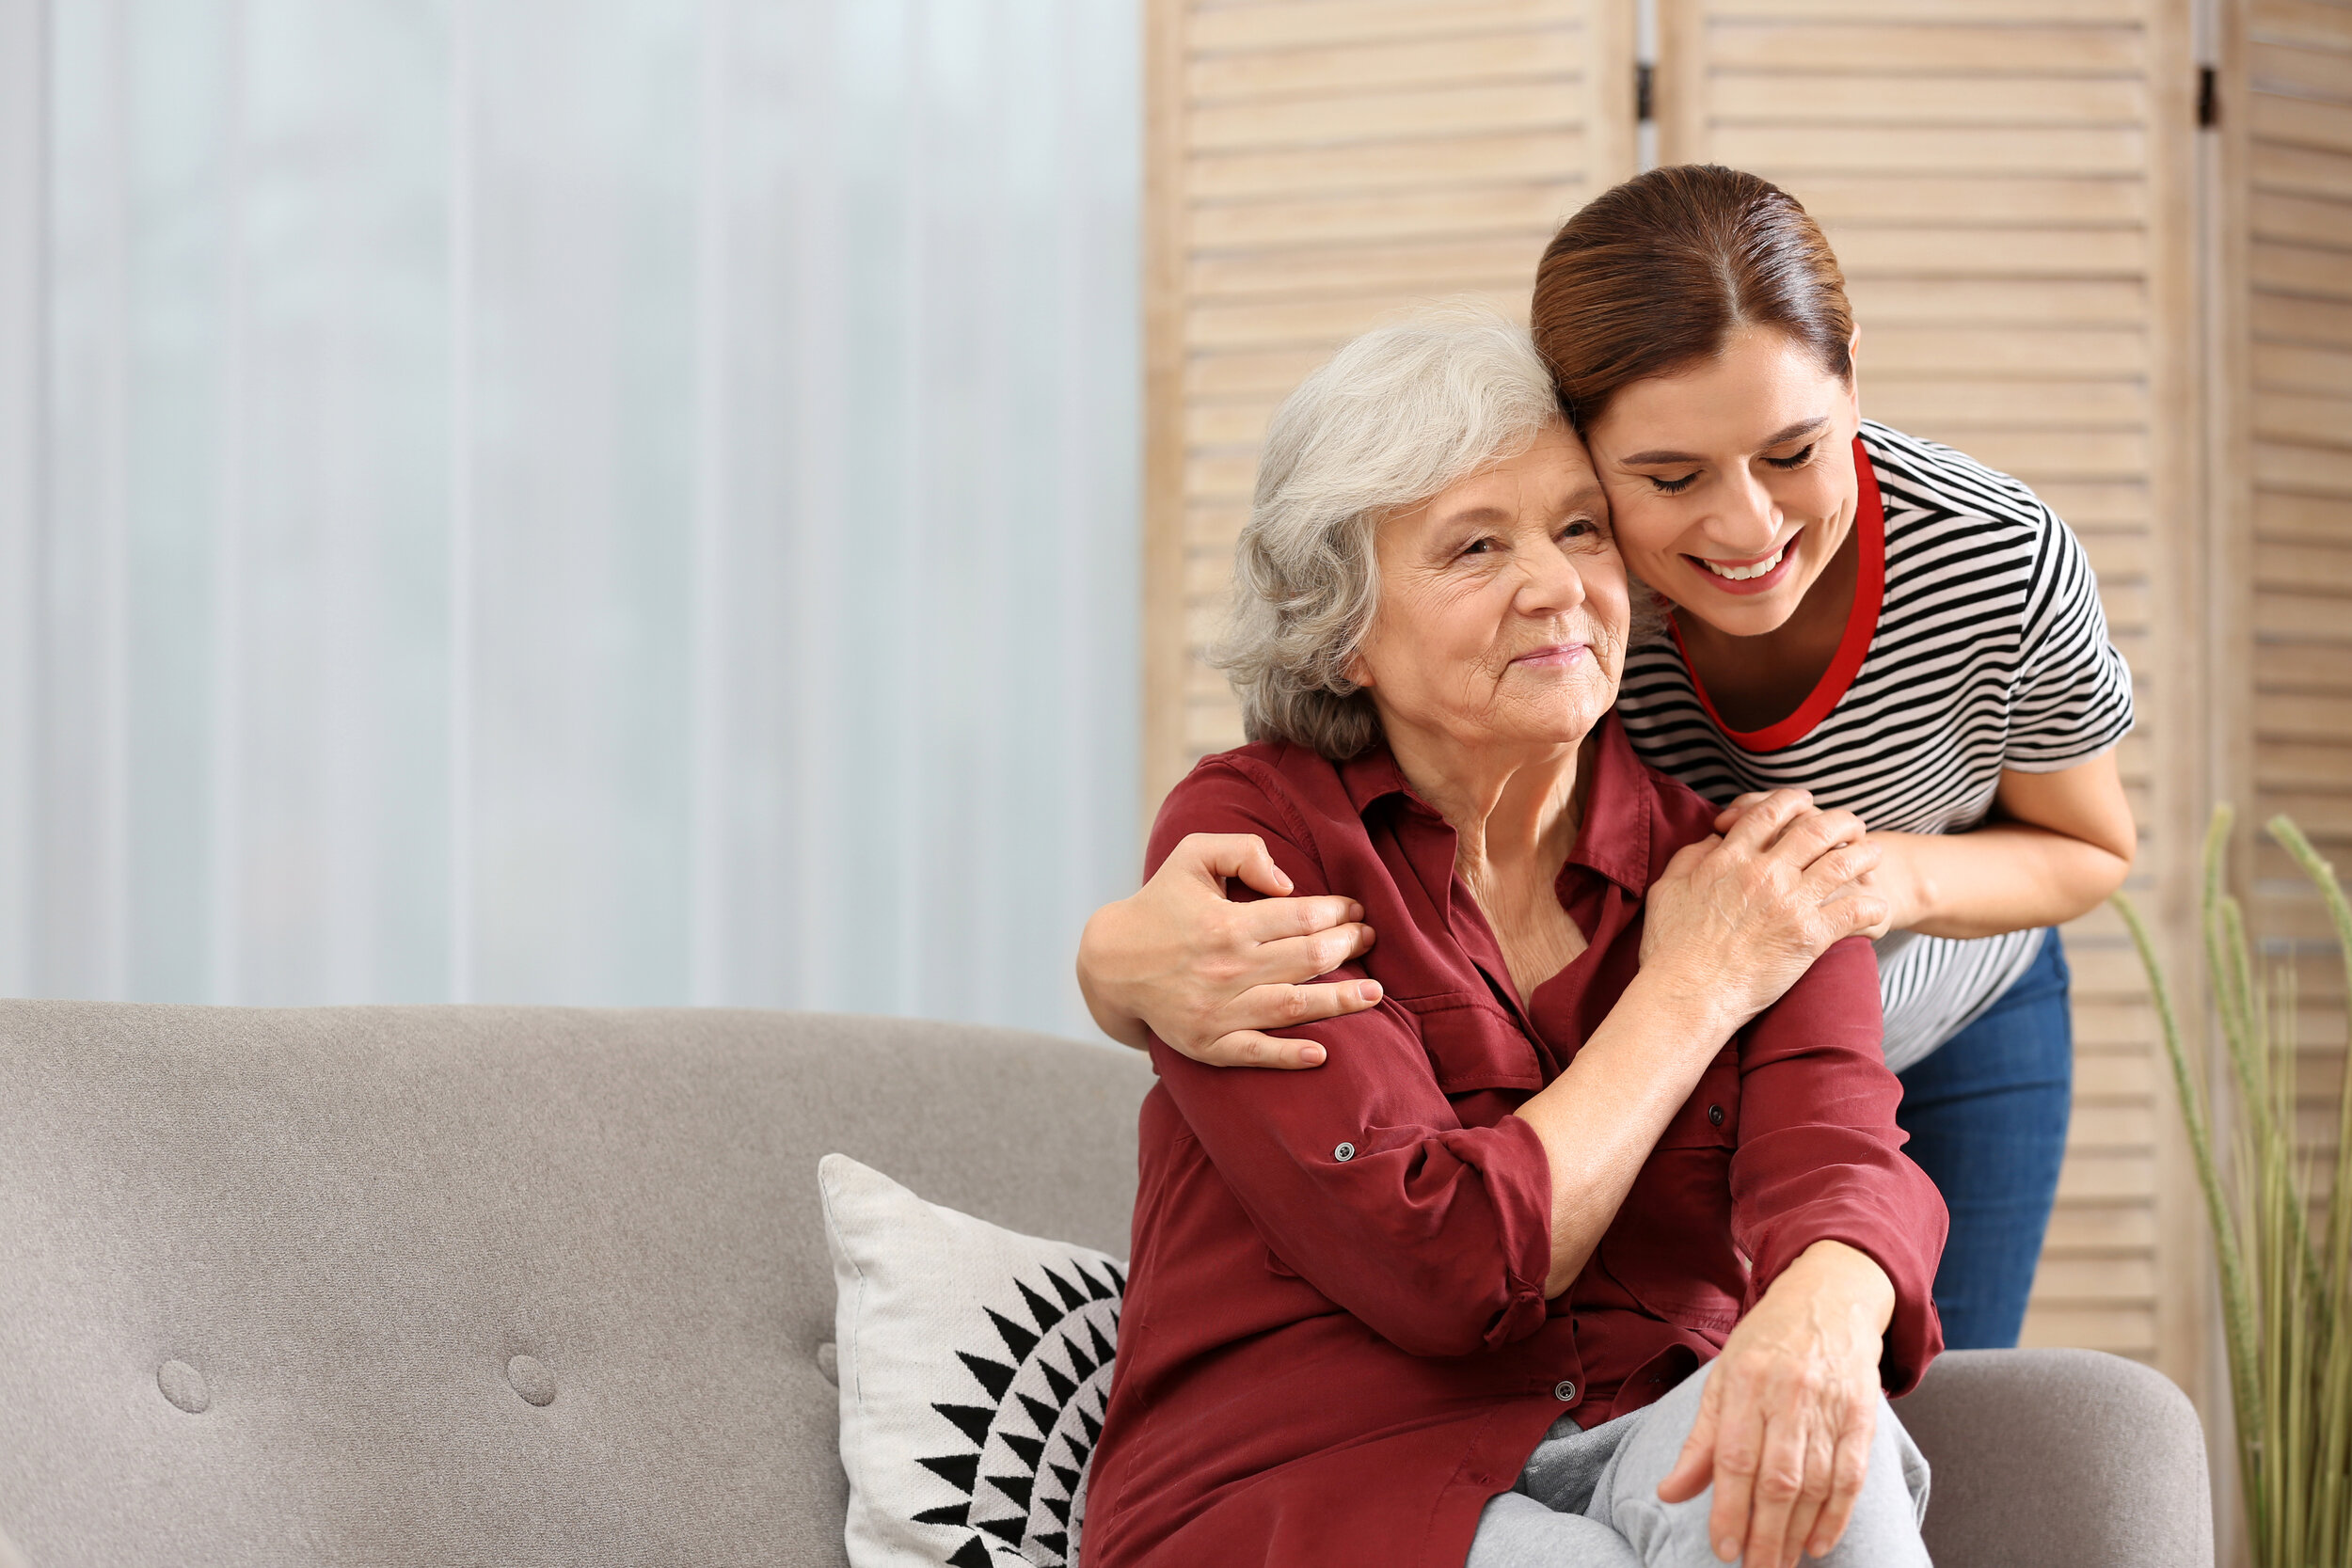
{"points": [[1593, 1242]]}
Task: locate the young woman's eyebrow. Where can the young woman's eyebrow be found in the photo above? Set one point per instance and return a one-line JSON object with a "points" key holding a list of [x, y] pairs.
{"points": [[1780, 438]]}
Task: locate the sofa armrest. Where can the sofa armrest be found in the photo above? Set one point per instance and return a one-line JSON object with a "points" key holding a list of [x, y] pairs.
{"points": [[2060, 1459]]}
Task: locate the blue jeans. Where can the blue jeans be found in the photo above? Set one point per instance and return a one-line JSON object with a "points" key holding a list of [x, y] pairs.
{"points": [[1987, 1116]]}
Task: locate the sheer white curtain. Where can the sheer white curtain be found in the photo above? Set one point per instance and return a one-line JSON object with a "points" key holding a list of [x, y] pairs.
{"points": [[629, 501]]}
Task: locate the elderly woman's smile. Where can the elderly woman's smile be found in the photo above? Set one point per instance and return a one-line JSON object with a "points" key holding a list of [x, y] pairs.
{"points": [[1503, 607]]}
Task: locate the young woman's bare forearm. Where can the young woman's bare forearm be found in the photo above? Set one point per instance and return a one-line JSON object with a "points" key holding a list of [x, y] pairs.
{"points": [[2005, 877]]}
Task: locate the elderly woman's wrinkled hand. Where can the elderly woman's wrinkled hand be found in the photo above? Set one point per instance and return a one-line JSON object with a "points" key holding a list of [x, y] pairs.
{"points": [[1785, 1423], [1740, 916], [1209, 975]]}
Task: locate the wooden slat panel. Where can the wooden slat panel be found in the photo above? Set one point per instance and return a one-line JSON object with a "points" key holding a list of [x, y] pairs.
{"points": [[2303, 368], [2322, 24], [2302, 122], [2312, 470], [2317, 418], [1993, 252], [1973, 99], [2289, 68], [1954, 404], [2003, 303], [1447, 111], [1975, 199], [1328, 321], [2295, 269], [1445, 213], [2296, 423], [2118, 1330], [2301, 170], [2301, 670], [1871, 48], [2023, 351], [2318, 519], [1436, 265], [2096, 1227], [2303, 220], [1310, 23], [1532, 155], [2305, 320], [2304, 568], [1795, 150], [1489, 57], [1975, 13]]}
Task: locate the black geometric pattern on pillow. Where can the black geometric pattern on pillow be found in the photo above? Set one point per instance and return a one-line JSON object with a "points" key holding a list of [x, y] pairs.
{"points": [[1033, 1423]]}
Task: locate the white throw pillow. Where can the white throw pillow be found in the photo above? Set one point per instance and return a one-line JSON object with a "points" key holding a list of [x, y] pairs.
{"points": [[974, 1364]]}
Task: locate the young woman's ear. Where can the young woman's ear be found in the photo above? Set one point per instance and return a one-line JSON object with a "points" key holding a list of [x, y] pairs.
{"points": [[1853, 372]]}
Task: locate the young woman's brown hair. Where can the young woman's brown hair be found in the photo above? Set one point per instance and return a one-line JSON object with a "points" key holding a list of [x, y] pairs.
{"points": [[1656, 274]]}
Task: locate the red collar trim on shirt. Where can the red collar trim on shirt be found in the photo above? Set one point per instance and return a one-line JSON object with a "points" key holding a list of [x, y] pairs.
{"points": [[1862, 624]]}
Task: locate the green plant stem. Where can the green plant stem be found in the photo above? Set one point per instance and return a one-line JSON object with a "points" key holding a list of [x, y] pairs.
{"points": [[2332, 1521], [2237, 1306]]}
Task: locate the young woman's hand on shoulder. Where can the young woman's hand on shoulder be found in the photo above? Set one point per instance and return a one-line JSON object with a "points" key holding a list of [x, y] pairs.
{"points": [[1209, 975]]}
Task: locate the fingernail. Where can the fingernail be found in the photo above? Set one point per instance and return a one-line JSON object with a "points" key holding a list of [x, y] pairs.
{"points": [[1727, 1548], [1312, 1056], [1355, 911], [1368, 990]]}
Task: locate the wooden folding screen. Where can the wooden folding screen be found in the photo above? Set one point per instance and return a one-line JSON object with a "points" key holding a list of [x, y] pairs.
{"points": [[1319, 165], [2280, 413], [2008, 182]]}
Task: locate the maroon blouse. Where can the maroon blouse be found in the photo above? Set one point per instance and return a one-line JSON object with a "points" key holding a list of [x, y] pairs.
{"points": [[1335, 1345]]}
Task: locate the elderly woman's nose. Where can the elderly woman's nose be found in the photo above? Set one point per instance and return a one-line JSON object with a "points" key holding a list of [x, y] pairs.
{"points": [[1552, 583]]}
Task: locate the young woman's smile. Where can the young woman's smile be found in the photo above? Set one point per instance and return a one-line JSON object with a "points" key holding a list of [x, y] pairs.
{"points": [[1760, 575]]}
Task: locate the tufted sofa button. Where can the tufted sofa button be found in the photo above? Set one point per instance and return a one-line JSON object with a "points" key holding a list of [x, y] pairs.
{"points": [[183, 1385], [532, 1380]]}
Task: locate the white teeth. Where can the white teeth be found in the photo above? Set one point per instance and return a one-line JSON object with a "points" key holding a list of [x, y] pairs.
{"points": [[1741, 573]]}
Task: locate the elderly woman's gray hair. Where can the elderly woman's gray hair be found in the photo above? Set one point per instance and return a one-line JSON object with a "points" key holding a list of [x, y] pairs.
{"points": [[1399, 415]]}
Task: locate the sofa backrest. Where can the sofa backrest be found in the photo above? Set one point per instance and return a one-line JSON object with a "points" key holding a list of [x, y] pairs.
{"points": [[294, 1286]]}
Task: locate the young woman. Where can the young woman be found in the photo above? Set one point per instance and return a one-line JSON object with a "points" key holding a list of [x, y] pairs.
{"points": [[1872, 617]]}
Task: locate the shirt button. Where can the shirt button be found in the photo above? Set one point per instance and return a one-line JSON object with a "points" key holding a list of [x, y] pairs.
{"points": [[1564, 1391], [1715, 1114], [1344, 1153]]}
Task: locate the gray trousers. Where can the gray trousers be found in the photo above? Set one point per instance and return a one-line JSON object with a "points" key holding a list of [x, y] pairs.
{"points": [[1589, 1500]]}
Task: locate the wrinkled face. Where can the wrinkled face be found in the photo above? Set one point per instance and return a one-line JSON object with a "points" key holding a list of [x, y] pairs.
{"points": [[1732, 485], [1502, 606]]}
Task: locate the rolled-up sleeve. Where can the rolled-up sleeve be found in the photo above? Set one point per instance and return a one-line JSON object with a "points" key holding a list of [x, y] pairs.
{"points": [[1357, 1175], [1821, 1158]]}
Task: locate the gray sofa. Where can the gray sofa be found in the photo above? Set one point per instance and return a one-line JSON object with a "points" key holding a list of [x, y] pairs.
{"points": [[513, 1285]]}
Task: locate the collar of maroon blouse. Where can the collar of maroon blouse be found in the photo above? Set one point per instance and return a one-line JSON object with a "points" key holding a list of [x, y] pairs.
{"points": [[1601, 883]]}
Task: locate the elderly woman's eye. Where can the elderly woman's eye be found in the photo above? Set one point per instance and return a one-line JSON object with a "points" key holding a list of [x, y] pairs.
{"points": [[1803, 456], [1580, 528], [1478, 546], [1675, 486]]}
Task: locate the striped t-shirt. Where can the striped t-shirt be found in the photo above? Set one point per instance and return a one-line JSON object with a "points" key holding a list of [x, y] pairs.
{"points": [[1975, 644]]}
